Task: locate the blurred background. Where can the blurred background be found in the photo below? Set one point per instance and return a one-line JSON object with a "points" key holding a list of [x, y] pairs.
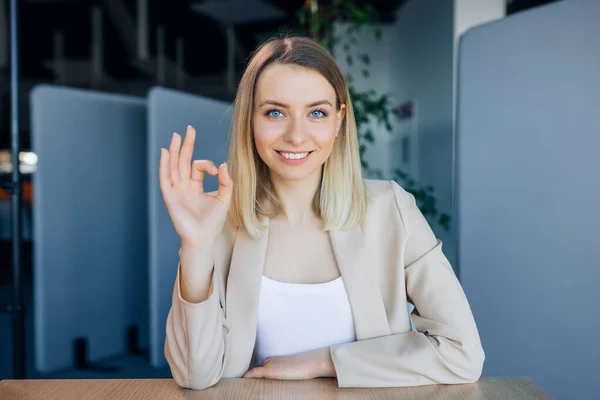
{"points": [[483, 109]]}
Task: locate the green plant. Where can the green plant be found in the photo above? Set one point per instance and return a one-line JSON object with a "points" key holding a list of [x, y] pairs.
{"points": [[316, 20]]}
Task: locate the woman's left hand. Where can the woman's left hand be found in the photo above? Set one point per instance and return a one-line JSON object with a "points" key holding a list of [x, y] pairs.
{"points": [[309, 365]]}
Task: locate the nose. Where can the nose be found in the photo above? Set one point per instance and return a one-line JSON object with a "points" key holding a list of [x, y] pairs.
{"points": [[296, 133]]}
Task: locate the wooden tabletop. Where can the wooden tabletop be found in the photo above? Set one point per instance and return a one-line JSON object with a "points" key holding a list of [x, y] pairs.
{"points": [[489, 388]]}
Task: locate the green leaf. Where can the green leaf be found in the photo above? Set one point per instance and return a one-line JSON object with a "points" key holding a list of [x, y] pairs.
{"points": [[316, 25], [365, 73], [365, 59], [301, 15], [349, 60], [378, 33]]}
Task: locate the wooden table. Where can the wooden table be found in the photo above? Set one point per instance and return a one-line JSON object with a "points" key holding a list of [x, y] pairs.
{"points": [[491, 388]]}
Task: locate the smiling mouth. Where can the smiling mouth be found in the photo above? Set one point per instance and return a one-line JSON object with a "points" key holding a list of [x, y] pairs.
{"points": [[294, 156]]}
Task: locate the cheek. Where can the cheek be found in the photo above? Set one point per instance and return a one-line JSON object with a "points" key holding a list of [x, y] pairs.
{"points": [[266, 134], [324, 135]]}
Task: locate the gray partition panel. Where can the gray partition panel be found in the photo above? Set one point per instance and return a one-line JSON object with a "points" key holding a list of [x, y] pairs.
{"points": [[171, 111], [90, 223], [529, 193]]}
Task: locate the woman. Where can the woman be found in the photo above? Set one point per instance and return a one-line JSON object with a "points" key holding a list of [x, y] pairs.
{"points": [[296, 268]]}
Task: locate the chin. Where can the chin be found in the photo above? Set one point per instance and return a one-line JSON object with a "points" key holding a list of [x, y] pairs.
{"points": [[294, 175]]}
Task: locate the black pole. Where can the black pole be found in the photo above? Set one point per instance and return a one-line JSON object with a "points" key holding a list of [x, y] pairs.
{"points": [[17, 308]]}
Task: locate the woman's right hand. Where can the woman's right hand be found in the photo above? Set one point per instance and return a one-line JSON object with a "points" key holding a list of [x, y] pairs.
{"points": [[198, 217]]}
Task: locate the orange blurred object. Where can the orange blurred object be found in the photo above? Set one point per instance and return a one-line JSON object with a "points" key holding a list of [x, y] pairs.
{"points": [[27, 193]]}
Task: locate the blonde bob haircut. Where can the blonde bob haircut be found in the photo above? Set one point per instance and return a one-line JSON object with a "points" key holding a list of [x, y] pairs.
{"points": [[341, 200]]}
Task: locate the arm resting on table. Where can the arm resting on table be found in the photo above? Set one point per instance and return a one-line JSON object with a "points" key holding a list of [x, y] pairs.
{"points": [[445, 349]]}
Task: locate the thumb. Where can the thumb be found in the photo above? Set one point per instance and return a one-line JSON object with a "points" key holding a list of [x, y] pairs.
{"points": [[225, 185], [255, 373]]}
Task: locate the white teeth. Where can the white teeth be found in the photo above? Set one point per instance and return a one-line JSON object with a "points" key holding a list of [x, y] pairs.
{"points": [[294, 156]]}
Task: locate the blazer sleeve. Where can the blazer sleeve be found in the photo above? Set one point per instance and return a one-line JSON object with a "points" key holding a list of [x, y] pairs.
{"points": [[446, 348], [195, 338]]}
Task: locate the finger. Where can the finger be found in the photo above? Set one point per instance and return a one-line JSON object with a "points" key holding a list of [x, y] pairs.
{"points": [[163, 167], [174, 158], [255, 373], [199, 167], [225, 185], [185, 157], [163, 170]]}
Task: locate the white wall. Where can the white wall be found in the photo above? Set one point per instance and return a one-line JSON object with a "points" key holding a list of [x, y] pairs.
{"points": [[469, 13]]}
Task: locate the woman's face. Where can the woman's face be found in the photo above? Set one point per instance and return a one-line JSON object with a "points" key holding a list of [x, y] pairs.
{"points": [[295, 122]]}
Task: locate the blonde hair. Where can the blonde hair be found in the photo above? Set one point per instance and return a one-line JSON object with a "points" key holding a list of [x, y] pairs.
{"points": [[341, 201]]}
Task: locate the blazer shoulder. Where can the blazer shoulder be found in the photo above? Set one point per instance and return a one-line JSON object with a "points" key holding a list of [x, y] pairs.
{"points": [[380, 197], [388, 195], [379, 190]]}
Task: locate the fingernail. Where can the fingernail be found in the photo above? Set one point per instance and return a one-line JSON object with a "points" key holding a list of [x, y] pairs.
{"points": [[174, 133], [189, 126], [214, 169]]}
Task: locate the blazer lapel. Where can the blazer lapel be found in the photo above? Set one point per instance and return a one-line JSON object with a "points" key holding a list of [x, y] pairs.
{"points": [[368, 309], [243, 290]]}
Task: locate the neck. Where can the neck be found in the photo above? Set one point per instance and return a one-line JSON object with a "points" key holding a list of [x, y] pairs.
{"points": [[296, 197]]}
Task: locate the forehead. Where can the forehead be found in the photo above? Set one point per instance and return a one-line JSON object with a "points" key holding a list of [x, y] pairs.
{"points": [[292, 84]]}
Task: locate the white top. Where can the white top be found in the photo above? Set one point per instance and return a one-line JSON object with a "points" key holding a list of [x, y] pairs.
{"points": [[295, 317]]}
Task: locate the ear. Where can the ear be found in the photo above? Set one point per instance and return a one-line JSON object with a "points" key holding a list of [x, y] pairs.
{"points": [[341, 114]]}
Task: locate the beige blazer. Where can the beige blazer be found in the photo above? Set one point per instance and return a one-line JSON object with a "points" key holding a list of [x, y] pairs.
{"points": [[391, 258]]}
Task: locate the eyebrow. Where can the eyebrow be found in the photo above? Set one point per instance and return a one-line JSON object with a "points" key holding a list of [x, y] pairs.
{"points": [[276, 103]]}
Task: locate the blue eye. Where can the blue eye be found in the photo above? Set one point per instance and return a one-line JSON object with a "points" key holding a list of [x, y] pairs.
{"points": [[318, 114], [274, 113]]}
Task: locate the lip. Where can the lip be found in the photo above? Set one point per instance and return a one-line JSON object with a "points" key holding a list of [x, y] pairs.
{"points": [[294, 162], [293, 152]]}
